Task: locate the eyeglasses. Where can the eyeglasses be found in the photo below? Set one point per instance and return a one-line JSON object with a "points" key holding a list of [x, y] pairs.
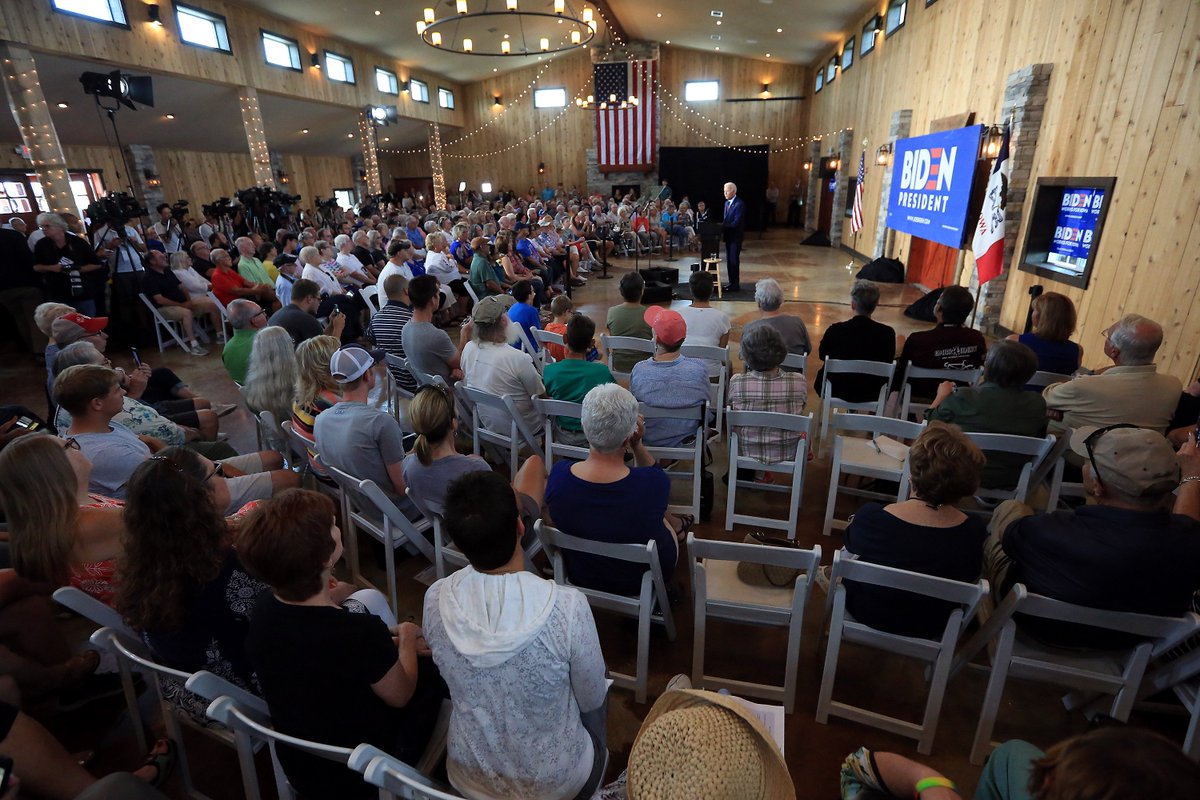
{"points": [[261, 313], [1093, 438], [218, 471], [71, 444]]}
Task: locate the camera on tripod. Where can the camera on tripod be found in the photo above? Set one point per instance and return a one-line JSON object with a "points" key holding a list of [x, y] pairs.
{"points": [[115, 208], [218, 208], [179, 210]]}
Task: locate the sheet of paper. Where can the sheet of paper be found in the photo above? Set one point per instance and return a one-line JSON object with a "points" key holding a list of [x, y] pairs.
{"points": [[892, 448], [770, 716]]}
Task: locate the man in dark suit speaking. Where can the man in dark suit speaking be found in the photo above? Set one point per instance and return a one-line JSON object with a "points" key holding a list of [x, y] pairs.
{"points": [[733, 226]]}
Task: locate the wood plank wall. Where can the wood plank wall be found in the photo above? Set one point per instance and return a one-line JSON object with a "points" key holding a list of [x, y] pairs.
{"points": [[146, 46], [1124, 101], [561, 147]]}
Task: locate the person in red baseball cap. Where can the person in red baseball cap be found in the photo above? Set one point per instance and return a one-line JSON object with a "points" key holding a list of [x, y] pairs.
{"points": [[669, 379]]}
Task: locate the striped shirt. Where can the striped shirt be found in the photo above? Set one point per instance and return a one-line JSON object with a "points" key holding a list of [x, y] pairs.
{"points": [[385, 331]]}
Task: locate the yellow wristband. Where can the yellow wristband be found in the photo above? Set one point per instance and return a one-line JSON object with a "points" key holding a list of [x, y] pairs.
{"points": [[930, 783]]}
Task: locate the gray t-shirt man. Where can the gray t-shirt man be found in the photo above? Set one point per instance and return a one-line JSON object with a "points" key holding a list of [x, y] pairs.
{"points": [[114, 456], [362, 441], [795, 335], [428, 348]]}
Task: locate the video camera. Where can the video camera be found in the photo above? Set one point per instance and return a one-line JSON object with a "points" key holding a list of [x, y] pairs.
{"points": [[179, 210], [218, 208], [115, 208], [330, 204]]}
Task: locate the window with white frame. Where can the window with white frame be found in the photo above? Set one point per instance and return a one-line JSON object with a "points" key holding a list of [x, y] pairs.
{"points": [[701, 91], [112, 11], [202, 29], [445, 97], [281, 51], [385, 81], [419, 90], [550, 98], [338, 67]]}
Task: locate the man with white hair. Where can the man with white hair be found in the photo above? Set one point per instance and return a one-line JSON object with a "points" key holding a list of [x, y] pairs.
{"points": [[248, 266], [733, 225], [1130, 391], [70, 268], [247, 319]]}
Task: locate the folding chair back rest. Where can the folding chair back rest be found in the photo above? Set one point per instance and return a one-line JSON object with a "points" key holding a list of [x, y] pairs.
{"points": [[89, 607], [626, 343], [796, 361], [548, 337], [794, 465], [962, 377], [553, 411], [370, 293], [393, 776], [1041, 379]]}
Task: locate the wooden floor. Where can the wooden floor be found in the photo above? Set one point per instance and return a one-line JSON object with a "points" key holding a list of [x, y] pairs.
{"points": [[816, 282]]}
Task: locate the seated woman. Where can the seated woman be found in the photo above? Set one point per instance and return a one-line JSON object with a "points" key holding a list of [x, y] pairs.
{"points": [[1053, 318], [997, 405], [328, 675], [316, 390], [925, 533], [180, 582], [764, 387], [602, 499], [515, 268], [271, 378], [325, 273], [521, 656]]}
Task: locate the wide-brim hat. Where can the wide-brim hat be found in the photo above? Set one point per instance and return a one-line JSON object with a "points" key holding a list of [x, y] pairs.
{"points": [[695, 743]]}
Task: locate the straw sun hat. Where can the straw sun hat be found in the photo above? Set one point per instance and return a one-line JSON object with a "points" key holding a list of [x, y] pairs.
{"points": [[697, 744]]}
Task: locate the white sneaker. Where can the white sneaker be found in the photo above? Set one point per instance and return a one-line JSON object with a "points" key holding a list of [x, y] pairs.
{"points": [[195, 349], [680, 681]]}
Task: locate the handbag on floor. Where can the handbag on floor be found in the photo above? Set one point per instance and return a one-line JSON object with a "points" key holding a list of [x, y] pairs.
{"points": [[766, 574]]}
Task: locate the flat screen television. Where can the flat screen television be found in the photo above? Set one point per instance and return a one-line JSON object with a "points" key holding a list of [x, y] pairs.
{"points": [[1065, 225]]}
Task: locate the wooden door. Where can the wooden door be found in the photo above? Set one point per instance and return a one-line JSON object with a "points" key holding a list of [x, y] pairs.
{"points": [[931, 264], [827, 176]]}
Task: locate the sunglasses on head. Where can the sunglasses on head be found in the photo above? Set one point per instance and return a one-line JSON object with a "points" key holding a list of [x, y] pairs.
{"points": [[1093, 438]]}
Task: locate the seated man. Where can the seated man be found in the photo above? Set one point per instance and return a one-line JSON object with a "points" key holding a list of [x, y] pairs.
{"points": [[859, 338], [628, 319], [247, 319], [163, 288], [602, 499], [358, 438], [387, 327], [428, 347], [92, 396], [228, 284], [491, 365], [299, 318], [1125, 553], [669, 379], [573, 377], [527, 684], [1131, 391], [951, 345]]}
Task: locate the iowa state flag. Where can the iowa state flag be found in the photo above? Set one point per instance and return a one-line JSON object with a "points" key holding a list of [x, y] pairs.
{"points": [[989, 233]]}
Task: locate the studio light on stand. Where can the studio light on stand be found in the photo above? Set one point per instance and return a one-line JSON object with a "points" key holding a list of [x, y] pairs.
{"points": [[122, 90]]}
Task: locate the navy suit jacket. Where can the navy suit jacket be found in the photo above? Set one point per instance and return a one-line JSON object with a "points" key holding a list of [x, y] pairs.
{"points": [[733, 222]]}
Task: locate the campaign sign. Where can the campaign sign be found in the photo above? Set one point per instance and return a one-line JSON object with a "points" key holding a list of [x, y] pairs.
{"points": [[1076, 224], [931, 184]]}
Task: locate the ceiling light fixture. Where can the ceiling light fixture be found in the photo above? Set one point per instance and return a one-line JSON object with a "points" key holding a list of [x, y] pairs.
{"points": [[168, 116], [779, 30], [62, 105], [470, 32], [304, 130]]}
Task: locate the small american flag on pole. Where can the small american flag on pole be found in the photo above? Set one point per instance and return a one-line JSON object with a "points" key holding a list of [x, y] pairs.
{"points": [[856, 215], [625, 138]]}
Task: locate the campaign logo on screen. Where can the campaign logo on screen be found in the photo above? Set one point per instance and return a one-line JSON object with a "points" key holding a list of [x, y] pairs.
{"points": [[931, 185], [1076, 226]]}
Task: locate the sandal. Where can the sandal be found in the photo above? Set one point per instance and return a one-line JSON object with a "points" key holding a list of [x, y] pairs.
{"points": [[79, 667], [686, 523], [162, 758]]}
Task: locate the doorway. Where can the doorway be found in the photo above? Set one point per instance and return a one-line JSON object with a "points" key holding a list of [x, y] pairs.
{"points": [[828, 178], [931, 264]]}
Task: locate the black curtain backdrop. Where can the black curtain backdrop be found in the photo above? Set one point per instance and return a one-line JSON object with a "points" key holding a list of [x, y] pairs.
{"points": [[699, 173]]}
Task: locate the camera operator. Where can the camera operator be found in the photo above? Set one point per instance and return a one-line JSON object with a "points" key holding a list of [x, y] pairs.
{"points": [[119, 244], [72, 272], [168, 229]]}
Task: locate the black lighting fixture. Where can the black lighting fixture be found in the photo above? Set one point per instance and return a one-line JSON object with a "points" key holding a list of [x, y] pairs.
{"points": [[807, 164], [315, 60], [152, 180], [155, 14], [381, 115], [874, 25], [541, 168], [884, 154], [766, 90], [125, 89], [362, 175], [991, 141], [835, 162], [497, 102], [283, 177]]}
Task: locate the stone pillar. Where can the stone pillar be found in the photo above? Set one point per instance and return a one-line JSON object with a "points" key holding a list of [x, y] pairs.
{"points": [[845, 150], [1025, 94], [28, 105], [256, 139], [900, 128], [140, 158], [366, 137], [811, 205], [359, 168], [435, 163]]}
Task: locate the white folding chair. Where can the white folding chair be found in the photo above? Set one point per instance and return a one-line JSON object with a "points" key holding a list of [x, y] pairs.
{"points": [[518, 431], [131, 656], [471, 292], [797, 362], [369, 509], [527, 345], [553, 411], [444, 551], [718, 593], [395, 779], [548, 337], [398, 396], [226, 326], [1112, 672], [1042, 379], [936, 653], [161, 324], [1177, 669], [1035, 451], [270, 435], [209, 686], [651, 604], [867, 459], [693, 452], [370, 293], [794, 466], [962, 377], [830, 404], [717, 359], [625, 343]]}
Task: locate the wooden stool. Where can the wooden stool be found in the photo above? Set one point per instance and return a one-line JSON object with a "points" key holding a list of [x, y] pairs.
{"points": [[713, 265]]}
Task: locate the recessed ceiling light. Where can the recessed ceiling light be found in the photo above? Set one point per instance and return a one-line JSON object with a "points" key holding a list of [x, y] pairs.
{"points": [[718, 22], [349, 135], [768, 55], [386, 139], [62, 105], [168, 116], [667, 42], [779, 30], [659, 15], [495, 69], [378, 12], [304, 130], [718, 47]]}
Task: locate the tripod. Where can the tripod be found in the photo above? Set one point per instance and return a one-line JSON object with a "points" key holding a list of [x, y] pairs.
{"points": [[603, 233]]}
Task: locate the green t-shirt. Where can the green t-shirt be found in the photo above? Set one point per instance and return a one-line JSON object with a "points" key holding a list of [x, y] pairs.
{"points": [[481, 273], [253, 270], [236, 354], [571, 380], [626, 320]]}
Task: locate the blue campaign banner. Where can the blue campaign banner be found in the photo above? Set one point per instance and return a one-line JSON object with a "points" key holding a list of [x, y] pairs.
{"points": [[931, 184], [1077, 222]]}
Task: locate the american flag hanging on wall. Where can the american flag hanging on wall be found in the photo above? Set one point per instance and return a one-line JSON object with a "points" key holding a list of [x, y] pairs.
{"points": [[625, 138], [856, 214]]}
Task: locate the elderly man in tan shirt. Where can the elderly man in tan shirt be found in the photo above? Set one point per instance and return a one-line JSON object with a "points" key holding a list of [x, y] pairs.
{"points": [[1131, 391]]}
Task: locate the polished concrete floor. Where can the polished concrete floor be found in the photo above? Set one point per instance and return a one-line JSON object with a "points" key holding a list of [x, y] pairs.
{"points": [[816, 282]]}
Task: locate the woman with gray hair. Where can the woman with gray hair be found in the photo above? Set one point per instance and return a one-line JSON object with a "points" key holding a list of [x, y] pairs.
{"points": [[70, 267], [603, 499], [353, 269], [764, 387], [769, 298], [271, 376], [859, 338]]}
